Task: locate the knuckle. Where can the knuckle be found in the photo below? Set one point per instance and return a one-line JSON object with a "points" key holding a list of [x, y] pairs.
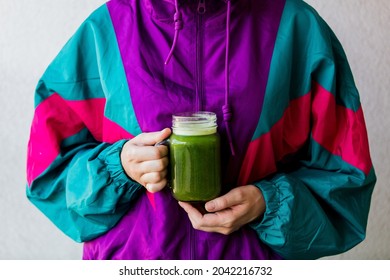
{"points": [[195, 223], [130, 153], [141, 180], [155, 153], [156, 177], [163, 183], [228, 228], [160, 165], [165, 162], [196, 226], [239, 194], [222, 202], [135, 170], [153, 188], [163, 150], [229, 225]]}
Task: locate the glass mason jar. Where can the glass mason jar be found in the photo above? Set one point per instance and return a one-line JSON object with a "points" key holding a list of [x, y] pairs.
{"points": [[195, 157]]}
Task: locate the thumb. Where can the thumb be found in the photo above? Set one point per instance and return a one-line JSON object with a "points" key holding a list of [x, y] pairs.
{"points": [[162, 135], [151, 138], [217, 204], [230, 199]]}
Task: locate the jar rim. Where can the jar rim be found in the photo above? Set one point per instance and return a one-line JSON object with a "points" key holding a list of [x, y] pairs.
{"points": [[198, 117], [194, 123]]}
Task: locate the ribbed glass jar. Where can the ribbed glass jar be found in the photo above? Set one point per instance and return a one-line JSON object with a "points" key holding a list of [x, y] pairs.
{"points": [[195, 157]]}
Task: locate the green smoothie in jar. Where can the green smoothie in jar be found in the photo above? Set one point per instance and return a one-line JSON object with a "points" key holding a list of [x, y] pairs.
{"points": [[195, 157]]}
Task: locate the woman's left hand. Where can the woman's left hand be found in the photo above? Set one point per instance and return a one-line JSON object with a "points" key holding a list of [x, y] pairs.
{"points": [[229, 212]]}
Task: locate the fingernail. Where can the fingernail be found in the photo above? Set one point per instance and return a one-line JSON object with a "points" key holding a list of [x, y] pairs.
{"points": [[149, 187], [210, 206]]}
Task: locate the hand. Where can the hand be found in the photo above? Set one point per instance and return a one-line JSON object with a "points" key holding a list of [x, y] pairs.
{"points": [[229, 212], [145, 163]]}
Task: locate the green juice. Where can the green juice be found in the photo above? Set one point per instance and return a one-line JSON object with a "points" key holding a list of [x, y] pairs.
{"points": [[195, 167]]}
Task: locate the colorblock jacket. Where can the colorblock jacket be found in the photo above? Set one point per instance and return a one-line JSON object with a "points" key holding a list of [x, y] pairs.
{"points": [[289, 117]]}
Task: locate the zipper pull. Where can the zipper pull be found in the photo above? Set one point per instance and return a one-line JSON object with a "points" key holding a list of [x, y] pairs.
{"points": [[202, 7]]}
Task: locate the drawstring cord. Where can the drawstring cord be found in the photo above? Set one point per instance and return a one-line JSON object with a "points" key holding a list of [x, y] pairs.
{"points": [[178, 26], [226, 108]]}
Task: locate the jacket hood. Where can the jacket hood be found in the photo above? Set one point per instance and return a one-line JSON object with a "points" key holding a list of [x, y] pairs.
{"points": [[178, 13], [165, 9], [202, 8]]}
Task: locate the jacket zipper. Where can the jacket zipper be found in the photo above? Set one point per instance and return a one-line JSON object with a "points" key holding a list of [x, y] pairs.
{"points": [[199, 53], [201, 7], [199, 91], [192, 241]]}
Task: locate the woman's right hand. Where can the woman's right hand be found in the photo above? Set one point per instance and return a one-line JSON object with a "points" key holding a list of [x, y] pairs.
{"points": [[146, 163]]}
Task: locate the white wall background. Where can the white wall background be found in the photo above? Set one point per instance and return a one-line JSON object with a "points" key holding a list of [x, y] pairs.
{"points": [[31, 34]]}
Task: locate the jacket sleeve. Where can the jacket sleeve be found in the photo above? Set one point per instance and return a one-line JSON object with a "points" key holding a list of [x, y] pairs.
{"points": [[74, 177], [318, 205]]}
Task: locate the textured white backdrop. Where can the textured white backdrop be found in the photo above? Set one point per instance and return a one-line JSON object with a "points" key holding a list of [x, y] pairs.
{"points": [[33, 31]]}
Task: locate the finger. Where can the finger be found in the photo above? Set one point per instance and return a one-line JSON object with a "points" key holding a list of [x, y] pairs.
{"points": [[156, 187], [224, 222], [218, 219], [153, 177], [230, 199], [200, 221], [151, 138], [146, 153], [192, 212], [157, 165], [209, 222]]}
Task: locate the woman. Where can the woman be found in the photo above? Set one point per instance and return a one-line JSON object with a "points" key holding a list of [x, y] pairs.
{"points": [[297, 174]]}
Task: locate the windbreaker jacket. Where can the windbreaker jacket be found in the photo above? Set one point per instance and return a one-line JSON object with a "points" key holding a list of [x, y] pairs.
{"points": [[278, 80]]}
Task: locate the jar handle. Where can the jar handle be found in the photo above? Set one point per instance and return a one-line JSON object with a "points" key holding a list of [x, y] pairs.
{"points": [[165, 142]]}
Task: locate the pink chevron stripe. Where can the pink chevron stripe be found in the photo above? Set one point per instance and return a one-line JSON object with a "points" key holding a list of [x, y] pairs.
{"points": [[91, 111], [56, 119], [53, 121], [151, 199], [112, 132], [285, 137], [340, 130]]}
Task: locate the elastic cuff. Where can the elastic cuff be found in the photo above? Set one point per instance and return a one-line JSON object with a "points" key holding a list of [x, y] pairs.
{"points": [[114, 166], [271, 196]]}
